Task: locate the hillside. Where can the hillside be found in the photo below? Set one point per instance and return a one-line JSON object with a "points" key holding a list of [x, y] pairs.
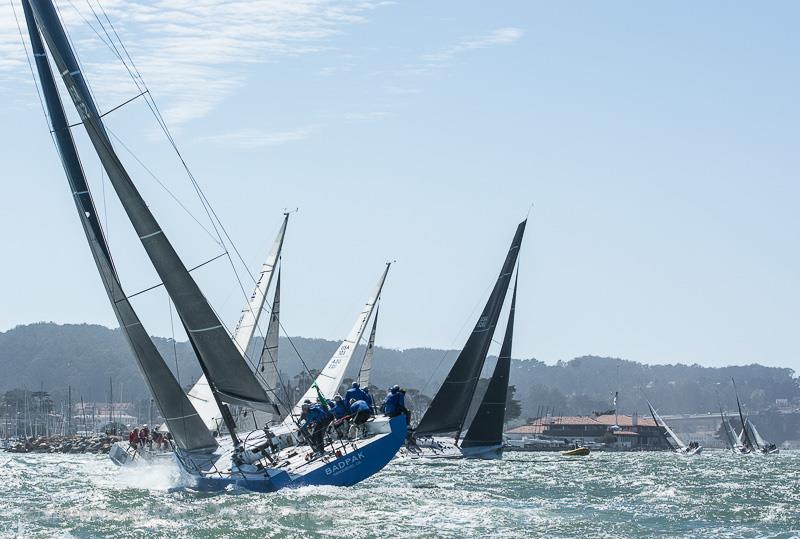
{"points": [[85, 356]]}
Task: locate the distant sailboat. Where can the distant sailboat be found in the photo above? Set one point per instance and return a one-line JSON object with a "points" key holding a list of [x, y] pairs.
{"points": [[692, 448], [248, 460], [731, 439], [448, 410], [762, 446]]}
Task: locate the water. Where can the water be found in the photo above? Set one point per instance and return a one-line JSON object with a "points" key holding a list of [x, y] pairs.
{"points": [[525, 495]]}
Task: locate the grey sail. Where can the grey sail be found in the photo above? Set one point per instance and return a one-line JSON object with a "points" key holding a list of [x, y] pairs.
{"points": [[268, 362], [229, 374], [448, 409], [486, 428], [188, 430], [366, 364]]}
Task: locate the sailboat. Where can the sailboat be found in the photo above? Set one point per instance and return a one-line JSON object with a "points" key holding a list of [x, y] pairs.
{"points": [[677, 445], [449, 408], [731, 439], [244, 459], [744, 437]]}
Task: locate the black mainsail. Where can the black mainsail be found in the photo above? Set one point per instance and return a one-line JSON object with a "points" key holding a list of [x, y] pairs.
{"points": [[747, 442], [448, 409], [486, 428], [228, 373], [188, 430]]}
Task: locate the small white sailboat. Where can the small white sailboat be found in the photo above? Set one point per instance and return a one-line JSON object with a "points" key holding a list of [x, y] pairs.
{"points": [[732, 440], [449, 408], [246, 459], [761, 445], [677, 445]]}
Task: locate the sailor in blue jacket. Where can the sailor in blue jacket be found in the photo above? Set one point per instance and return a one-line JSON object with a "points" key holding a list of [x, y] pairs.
{"points": [[360, 411], [356, 393], [339, 408], [317, 420], [395, 403]]}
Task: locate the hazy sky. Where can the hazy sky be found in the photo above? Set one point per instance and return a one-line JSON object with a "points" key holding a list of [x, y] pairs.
{"points": [[658, 142]]}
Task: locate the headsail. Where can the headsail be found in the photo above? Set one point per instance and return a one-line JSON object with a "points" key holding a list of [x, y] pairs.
{"points": [[448, 409], [487, 426], [755, 436], [183, 421], [268, 361], [200, 394], [221, 361], [248, 321], [366, 364], [328, 381]]}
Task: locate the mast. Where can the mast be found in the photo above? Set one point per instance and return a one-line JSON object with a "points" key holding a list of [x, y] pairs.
{"points": [[449, 407], [328, 381], [228, 374], [487, 426], [366, 363], [745, 436]]}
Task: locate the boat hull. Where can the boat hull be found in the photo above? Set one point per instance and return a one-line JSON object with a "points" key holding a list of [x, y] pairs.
{"points": [[352, 463], [446, 448], [577, 452]]}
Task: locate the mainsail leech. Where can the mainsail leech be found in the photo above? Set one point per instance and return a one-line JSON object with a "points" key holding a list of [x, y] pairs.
{"points": [[231, 378], [449, 407], [182, 420]]}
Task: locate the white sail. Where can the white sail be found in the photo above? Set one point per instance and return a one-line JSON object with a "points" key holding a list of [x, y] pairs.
{"points": [[268, 362], [661, 423], [366, 364], [328, 381], [760, 442], [200, 394]]}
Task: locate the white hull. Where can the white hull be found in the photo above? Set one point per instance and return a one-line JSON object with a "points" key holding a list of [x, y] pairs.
{"points": [[445, 448]]}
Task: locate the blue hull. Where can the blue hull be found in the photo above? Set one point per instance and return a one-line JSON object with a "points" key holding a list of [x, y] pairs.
{"points": [[343, 471]]}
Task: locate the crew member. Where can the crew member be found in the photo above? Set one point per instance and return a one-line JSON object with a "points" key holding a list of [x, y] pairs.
{"points": [[317, 420], [133, 438], [356, 393], [360, 411], [339, 409]]}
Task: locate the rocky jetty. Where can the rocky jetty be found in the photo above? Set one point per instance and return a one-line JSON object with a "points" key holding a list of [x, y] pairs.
{"points": [[98, 443]]}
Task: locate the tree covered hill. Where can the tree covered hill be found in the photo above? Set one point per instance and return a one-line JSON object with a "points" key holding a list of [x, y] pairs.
{"points": [[85, 356]]}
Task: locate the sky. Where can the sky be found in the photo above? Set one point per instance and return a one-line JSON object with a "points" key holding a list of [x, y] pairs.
{"points": [[653, 146]]}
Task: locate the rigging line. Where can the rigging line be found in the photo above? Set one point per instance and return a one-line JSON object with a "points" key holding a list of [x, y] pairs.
{"points": [[463, 325], [137, 96], [163, 186], [30, 66], [148, 289]]}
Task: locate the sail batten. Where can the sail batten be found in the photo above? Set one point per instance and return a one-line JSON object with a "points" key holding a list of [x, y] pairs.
{"points": [[449, 407], [182, 419], [217, 353]]}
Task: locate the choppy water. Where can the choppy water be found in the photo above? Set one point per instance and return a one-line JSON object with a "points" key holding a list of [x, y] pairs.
{"points": [[525, 495]]}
